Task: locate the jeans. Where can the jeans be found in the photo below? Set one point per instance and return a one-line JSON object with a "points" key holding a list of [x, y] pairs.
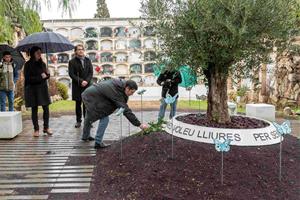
{"points": [[10, 97], [79, 111], [162, 109], [35, 119], [103, 123]]}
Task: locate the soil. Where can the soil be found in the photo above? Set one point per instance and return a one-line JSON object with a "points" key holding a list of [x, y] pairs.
{"points": [[237, 122], [147, 172]]}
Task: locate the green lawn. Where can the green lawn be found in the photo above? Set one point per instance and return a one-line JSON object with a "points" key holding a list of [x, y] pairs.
{"points": [[185, 104], [62, 106], [203, 106], [69, 106], [58, 106]]}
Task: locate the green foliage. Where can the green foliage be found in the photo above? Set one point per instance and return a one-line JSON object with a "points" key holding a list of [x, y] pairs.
{"points": [[31, 22], [6, 31], [62, 90], [223, 32], [242, 91], [153, 127], [16, 15], [18, 102], [102, 10], [23, 13], [219, 37]]}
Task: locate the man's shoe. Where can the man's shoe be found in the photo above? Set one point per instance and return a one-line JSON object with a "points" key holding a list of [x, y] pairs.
{"points": [[101, 145], [78, 124], [89, 139]]}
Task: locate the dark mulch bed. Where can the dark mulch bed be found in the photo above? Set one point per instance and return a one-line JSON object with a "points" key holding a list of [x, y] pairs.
{"points": [[147, 172], [237, 122]]}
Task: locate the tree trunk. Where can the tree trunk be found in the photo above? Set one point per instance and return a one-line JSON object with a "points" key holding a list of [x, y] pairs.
{"points": [[263, 91], [217, 109]]}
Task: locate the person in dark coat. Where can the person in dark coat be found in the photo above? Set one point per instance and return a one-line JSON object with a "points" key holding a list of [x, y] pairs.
{"points": [[169, 80], [101, 100], [81, 73], [36, 89]]}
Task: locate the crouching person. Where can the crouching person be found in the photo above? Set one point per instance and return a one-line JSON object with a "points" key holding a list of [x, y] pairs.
{"points": [[101, 100]]}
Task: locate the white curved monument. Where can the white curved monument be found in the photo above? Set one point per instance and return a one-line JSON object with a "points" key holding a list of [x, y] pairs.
{"points": [[239, 137]]}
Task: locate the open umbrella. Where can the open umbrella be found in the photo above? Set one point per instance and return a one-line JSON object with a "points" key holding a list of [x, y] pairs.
{"points": [[189, 78], [49, 42], [16, 55]]}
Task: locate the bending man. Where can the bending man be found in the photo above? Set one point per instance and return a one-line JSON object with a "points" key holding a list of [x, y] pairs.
{"points": [[101, 100]]}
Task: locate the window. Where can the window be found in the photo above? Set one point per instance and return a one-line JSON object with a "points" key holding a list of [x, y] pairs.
{"points": [[149, 56], [134, 32], [91, 33], [149, 31], [135, 69], [106, 45], [149, 68], [77, 33], [106, 32], [63, 58], [135, 56], [63, 31], [135, 44], [63, 70], [120, 32], [121, 44], [92, 57], [92, 45], [106, 57], [149, 44], [107, 69], [121, 57], [121, 70]]}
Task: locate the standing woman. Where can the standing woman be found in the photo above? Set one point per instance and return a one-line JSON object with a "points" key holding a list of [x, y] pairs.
{"points": [[36, 89]]}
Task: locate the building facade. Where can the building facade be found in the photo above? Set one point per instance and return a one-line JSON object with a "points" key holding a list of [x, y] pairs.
{"points": [[117, 47]]}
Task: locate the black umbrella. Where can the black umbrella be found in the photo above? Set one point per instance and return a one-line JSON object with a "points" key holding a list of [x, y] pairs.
{"points": [[49, 42], [16, 55]]}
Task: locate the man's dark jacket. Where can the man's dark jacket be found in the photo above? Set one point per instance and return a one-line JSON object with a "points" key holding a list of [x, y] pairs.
{"points": [[102, 99], [169, 87], [78, 73]]}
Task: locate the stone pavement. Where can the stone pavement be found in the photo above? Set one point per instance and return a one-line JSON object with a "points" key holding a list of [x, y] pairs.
{"points": [[60, 166], [40, 168], [53, 167]]}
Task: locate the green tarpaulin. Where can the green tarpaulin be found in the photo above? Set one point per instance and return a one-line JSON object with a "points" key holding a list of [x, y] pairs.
{"points": [[189, 78]]}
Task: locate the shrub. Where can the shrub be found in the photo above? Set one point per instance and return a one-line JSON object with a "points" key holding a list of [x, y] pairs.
{"points": [[19, 90], [242, 91], [154, 127], [62, 90], [18, 103], [232, 96]]}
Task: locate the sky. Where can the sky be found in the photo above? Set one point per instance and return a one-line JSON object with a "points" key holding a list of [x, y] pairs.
{"points": [[87, 9]]}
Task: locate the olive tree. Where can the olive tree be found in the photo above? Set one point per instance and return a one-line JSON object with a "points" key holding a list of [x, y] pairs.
{"points": [[217, 37]]}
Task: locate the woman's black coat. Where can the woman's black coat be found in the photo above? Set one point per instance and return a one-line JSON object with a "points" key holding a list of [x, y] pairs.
{"points": [[36, 88]]}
